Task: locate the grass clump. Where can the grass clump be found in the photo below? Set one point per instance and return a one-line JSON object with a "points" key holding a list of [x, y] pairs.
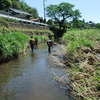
{"points": [[11, 44], [83, 50]]}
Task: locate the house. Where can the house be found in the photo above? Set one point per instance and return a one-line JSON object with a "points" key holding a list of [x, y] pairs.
{"points": [[19, 13]]}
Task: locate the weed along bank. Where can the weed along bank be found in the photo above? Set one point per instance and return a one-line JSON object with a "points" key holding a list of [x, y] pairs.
{"points": [[14, 36], [82, 57]]}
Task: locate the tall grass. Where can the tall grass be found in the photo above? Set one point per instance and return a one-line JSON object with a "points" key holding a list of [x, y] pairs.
{"points": [[12, 43], [80, 38], [85, 73]]}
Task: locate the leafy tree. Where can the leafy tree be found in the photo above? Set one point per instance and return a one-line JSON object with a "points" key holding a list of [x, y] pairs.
{"points": [[33, 11], [78, 24], [5, 4], [50, 22], [24, 6], [98, 25], [29, 9], [60, 13], [16, 4]]}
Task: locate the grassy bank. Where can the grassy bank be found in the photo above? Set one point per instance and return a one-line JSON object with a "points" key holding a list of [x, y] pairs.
{"points": [[82, 58], [14, 40], [11, 44]]}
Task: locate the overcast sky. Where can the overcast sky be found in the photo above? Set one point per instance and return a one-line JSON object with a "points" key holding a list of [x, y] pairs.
{"points": [[90, 9]]}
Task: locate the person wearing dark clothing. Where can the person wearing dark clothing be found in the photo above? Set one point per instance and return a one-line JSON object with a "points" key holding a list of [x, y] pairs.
{"points": [[50, 45], [32, 43]]}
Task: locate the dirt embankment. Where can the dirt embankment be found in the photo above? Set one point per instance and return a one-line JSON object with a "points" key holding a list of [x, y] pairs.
{"points": [[56, 57], [83, 71]]}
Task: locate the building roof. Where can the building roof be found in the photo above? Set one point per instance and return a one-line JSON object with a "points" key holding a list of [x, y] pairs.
{"points": [[35, 19], [20, 11]]}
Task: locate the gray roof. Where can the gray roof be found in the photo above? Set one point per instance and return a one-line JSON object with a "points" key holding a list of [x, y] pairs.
{"points": [[20, 11]]}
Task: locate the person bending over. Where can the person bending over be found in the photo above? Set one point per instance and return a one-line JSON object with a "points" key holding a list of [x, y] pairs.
{"points": [[50, 45]]}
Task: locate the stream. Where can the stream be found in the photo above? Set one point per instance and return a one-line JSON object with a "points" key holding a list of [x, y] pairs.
{"points": [[30, 77]]}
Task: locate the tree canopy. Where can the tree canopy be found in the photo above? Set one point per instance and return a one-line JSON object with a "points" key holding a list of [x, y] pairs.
{"points": [[5, 4], [60, 13]]}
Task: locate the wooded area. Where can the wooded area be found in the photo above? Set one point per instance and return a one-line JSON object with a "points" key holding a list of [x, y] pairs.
{"points": [[17, 4]]}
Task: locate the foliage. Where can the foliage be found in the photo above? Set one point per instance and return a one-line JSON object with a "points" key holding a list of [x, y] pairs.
{"points": [[50, 22], [78, 24], [3, 22], [17, 4], [39, 39], [47, 32], [80, 38], [85, 67], [5, 4], [98, 25], [11, 44], [59, 13], [27, 8]]}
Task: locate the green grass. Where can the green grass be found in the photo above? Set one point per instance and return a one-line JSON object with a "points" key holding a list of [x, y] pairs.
{"points": [[12, 43], [85, 76], [80, 38], [40, 38]]}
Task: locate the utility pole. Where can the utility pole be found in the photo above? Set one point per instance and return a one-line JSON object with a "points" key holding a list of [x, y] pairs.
{"points": [[44, 9]]}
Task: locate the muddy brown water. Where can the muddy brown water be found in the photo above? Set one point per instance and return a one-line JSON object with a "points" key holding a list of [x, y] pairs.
{"points": [[30, 77]]}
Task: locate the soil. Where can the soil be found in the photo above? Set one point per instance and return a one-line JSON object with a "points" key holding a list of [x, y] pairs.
{"points": [[56, 58], [88, 61]]}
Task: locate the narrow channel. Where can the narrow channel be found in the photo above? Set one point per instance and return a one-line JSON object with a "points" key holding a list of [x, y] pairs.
{"points": [[30, 77]]}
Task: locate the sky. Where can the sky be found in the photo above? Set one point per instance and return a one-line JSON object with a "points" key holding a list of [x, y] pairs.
{"points": [[89, 9]]}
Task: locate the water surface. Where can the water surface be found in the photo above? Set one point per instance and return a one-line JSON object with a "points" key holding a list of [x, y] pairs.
{"points": [[30, 77]]}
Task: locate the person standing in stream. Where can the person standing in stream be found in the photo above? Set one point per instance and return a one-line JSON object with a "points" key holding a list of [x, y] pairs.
{"points": [[32, 43], [50, 44]]}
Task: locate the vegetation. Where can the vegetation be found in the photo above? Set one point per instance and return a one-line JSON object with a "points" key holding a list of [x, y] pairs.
{"points": [[82, 46], [98, 25], [18, 4], [13, 41], [11, 44], [83, 51], [4, 4], [60, 13]]}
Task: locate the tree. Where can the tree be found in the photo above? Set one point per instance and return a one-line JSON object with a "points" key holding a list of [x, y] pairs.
{"points": [[5, 4], [60, 13], [98, 25], [16, 4], [50, 22], [27, 8], [34, 12]]}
